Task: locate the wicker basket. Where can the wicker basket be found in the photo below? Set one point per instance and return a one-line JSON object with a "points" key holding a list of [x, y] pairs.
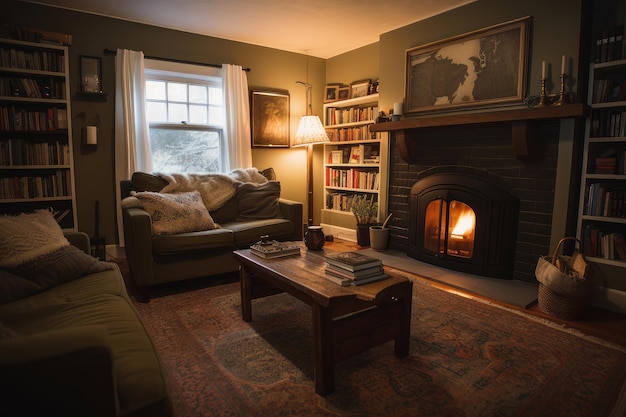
{"points": [[564, 306]]}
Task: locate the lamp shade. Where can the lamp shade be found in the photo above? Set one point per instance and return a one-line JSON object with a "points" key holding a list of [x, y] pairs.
{"points": [[310, 131]]}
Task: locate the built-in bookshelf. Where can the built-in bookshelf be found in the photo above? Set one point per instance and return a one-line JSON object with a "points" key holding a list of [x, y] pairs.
{"points": [[36, 160], [355, 160], [602, 209]]}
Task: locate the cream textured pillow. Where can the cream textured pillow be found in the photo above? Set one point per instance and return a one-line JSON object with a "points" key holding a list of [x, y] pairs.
{"points": [[27, 236], [176, 212]]}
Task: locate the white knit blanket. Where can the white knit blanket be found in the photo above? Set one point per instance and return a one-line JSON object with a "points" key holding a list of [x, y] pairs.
{"points": [[215, 188]]}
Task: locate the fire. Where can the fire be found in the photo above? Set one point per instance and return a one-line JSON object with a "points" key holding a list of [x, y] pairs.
{"points": [[464, 225]]}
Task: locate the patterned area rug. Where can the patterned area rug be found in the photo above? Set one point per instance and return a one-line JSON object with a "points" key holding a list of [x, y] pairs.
{"points": [[467, 358]]}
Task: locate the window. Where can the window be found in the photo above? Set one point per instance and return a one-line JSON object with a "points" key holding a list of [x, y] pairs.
{"points": [[185, 116]]}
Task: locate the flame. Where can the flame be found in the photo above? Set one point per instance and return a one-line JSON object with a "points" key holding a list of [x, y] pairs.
{"points": [[464, 225]]}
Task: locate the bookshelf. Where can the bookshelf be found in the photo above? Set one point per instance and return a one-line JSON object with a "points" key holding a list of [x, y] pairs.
{"points": [[36, 157], [356, 161], [602, 205]]}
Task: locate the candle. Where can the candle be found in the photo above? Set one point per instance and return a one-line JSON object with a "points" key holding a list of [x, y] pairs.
{"points": [[92, 135], [563, 64], [397, 108], [543, 70]]}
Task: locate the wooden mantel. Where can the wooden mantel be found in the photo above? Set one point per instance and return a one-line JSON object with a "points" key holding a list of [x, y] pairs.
{"points": [[523, 126]]}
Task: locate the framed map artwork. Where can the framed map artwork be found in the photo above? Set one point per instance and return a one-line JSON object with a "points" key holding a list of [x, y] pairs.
{"points": [[483, 68]]}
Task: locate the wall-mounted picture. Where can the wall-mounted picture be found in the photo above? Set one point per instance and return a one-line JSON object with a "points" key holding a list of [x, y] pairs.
{"points": [[360, 88], [331, 93], [486, 67], [343, 93], [90, 74], [269, 118]]}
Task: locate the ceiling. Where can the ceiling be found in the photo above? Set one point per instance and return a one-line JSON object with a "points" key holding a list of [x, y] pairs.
{"points": [[321, 28]]}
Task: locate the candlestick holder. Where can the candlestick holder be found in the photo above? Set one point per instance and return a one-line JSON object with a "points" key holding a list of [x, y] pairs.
{"points": [[563, 97], [543, 98]]}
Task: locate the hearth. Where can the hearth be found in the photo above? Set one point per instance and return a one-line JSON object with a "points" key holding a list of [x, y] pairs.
{"points": [[463, 222]]}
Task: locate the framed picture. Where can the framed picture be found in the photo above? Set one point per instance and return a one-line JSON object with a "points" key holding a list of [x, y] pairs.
{"points": [[269, 118], [355, 155], [336, 157], [331, 93], [343, 93], [360, 88], [90, 74], [486, 67]]}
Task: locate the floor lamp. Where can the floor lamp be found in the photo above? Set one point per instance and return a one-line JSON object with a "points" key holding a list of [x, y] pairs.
{"points": [[310, 132]]}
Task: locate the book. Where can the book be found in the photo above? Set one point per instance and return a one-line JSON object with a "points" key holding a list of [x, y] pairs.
{"points": [[352, 261], [370, 279], [360, 274], [344, 282], [274, 249]]}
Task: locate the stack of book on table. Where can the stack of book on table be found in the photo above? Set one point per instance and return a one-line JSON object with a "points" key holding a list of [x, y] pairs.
{"points": [[353, 268], [266, 248]]}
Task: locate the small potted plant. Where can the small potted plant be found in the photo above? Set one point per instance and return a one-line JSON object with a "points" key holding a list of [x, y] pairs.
{"points": [[364, 210]]}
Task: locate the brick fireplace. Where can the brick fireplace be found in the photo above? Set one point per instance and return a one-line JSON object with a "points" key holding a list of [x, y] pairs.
{"points": [[482, 150]]}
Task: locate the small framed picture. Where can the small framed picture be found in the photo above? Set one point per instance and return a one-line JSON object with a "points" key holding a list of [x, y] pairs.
{"points": [[360, 88], [90, 74], [355, 155], [336, 157], [344, 93], [331, 93], [269, 118]]}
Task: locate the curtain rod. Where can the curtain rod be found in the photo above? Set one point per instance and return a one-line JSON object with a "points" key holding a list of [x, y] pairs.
{"points": [[108, 51]]}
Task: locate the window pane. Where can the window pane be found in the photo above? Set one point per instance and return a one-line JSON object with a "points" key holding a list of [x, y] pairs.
{"points": [[157, 112], [184, 151], [216, 116], [177, 92], [198, 114], [155, 90], [198, 94], [215, 96], [177, 113]]}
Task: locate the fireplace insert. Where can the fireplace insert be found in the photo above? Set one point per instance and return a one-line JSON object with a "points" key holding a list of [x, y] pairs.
{"points": [[463, 222]]}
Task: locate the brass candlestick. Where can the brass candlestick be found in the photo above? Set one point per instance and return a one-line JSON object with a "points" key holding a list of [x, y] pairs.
{"points": [[543, 99], [563, 97]]}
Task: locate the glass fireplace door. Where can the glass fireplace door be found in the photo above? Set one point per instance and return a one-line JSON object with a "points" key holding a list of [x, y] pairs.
{"points": [[449, 228]]}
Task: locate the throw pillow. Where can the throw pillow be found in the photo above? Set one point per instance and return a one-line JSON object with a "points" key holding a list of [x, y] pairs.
{"points": [[258, 201], [27, 236], [176, 212]]}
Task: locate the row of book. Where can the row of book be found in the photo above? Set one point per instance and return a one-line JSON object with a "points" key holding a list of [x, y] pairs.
{"points": [[603, 244], [353, 268], [608, 90], [48, 87], [25, 152], [342, 201], [52, 185], [608, 123], [32, 60], [22, 120], [610, 44], [350, 134], [352, 178], [605, 201], [339, 115]]}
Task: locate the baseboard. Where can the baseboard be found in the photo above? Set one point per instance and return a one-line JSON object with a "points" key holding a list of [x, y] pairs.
{"points": [[609, 299], [342, 233]]}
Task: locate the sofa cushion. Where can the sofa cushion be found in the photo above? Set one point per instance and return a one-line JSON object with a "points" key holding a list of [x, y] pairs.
{"points": [[227, 213], [194, 242], [249, 232], [176, 213], [27, 236], [258, 201]]}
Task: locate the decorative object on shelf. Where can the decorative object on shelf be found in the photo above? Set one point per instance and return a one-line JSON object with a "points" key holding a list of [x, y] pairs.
{"points": [[270, 118], [360, 88], [314, 238], [563, 96], [397, 111], [455, 62], [543, 98], [331, 93], [90, 74], [343, 93], [382, 117], [310, 132]]}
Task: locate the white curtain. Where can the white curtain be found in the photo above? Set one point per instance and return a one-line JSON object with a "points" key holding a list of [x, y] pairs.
{"points": [[237, 111], [132, 143]]}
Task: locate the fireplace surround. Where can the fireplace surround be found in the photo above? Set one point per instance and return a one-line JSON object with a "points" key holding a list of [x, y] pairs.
{"points": [[463, 222]]}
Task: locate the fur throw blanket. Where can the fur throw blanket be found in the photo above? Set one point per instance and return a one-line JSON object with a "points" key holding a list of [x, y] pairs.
{"points": [[215, 188]]}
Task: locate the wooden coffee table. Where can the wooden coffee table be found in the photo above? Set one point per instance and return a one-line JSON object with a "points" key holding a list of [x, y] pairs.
{"points": [[346, 320]]}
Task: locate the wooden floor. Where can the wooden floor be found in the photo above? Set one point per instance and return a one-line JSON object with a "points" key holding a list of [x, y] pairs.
{"points": [[596, 322]]}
